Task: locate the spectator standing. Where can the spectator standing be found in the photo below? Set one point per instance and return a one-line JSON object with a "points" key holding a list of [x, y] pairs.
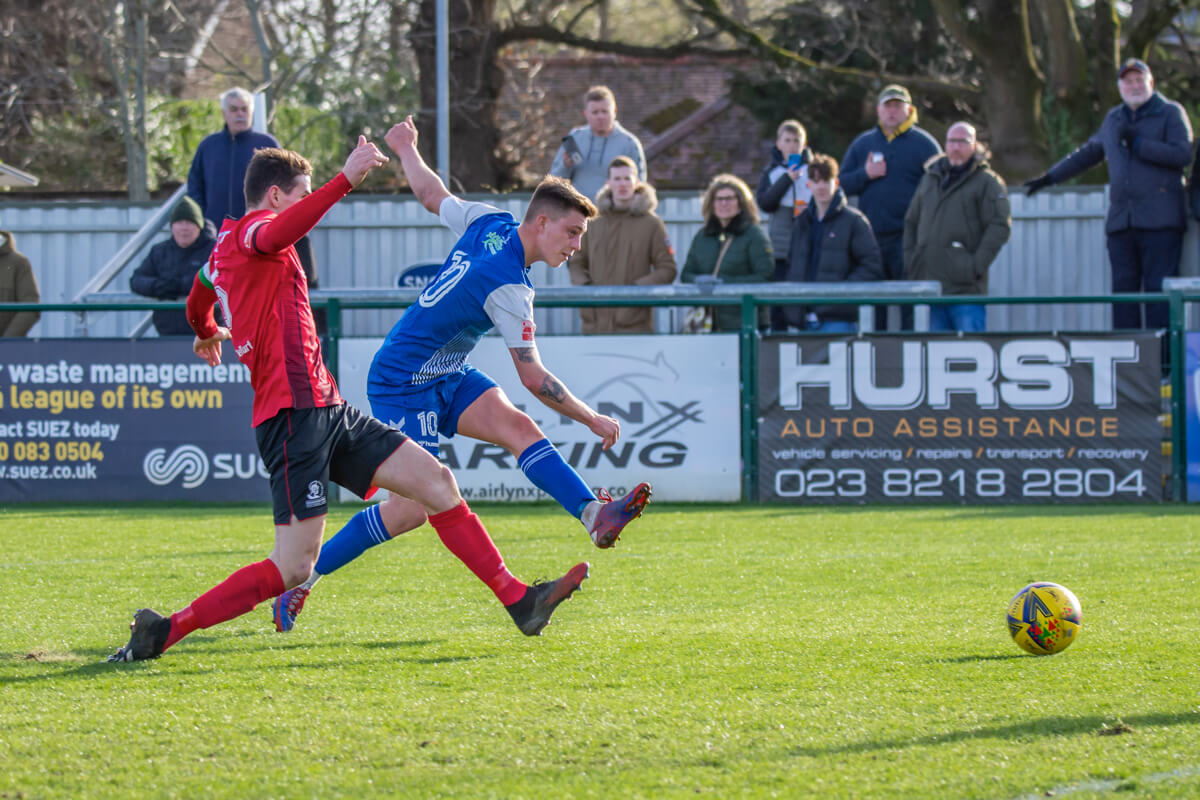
{"points": [[626, 245], [219, 166], [17, 285], [219, 169], [170, 268], [883, 167], [731, 246], [586, 152], [956, 224], [1147, 142], [832, 242], [783, 193]]}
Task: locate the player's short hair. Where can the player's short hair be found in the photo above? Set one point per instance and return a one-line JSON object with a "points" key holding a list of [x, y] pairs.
{"points": [[555, 197], [791, 126], [623, 161], [727, 181], [599, 93], [239, 93], [273, 166], [822, 168]]}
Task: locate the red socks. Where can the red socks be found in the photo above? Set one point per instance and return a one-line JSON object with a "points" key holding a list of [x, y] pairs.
{"points": [[234, 596], [464, 535]]}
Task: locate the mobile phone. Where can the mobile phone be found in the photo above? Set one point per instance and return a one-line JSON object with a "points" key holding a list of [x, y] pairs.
{"points": [[571, 148], [876, 157], [794, 161]]}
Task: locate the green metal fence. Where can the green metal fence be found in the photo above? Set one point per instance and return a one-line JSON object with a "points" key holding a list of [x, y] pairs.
{"points": [[749, 335]]}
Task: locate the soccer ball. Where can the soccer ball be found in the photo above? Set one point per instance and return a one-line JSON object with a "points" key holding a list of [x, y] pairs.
{"points": [[1044, 618]]}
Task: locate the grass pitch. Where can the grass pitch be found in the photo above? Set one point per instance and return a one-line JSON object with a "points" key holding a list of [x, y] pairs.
{"points": [[725, 652]]}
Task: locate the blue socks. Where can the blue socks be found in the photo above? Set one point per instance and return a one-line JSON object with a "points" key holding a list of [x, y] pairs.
{"points": [[364, 530], [547, 470]]}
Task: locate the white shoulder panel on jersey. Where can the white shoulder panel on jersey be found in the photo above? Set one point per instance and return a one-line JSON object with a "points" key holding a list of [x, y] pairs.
{"points": [[458, 214], [510, 307]]}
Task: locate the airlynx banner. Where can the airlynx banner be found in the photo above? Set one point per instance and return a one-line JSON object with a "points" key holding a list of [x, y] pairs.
{"points": [[982, 418], [676, 397], [101, 420]]}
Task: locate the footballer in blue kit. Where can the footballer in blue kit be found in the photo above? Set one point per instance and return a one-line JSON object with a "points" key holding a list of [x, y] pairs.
{"points": [[420, 383]]}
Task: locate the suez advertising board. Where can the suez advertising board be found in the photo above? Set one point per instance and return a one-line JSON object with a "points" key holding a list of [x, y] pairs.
{"points": [[678, 405], [981, 418], [101, 420]]}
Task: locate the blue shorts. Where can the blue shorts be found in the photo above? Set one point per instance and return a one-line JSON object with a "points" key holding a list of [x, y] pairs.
{"points": [[424, 412]]}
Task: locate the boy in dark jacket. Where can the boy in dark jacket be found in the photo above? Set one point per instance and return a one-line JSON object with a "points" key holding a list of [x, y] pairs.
{"points": [[171, 266], [783, 194], [831, 242]]}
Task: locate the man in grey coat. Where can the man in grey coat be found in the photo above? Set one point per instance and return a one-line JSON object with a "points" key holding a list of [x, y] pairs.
{"points": [[1147, 141], [957, 222], [586, 152]]}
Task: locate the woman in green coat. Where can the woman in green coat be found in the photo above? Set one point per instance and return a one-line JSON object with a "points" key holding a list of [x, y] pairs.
{"points": [[731, 234]]}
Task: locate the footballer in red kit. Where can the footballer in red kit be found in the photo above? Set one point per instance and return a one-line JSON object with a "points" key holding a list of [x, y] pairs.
{"points": [[307, 435]]}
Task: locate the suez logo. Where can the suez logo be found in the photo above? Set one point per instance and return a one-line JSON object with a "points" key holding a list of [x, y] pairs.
{"points": [[1024, 374], [193, 464]]}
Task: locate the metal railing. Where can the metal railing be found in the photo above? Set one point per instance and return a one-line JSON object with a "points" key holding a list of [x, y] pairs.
{"points": [[93, 290]]}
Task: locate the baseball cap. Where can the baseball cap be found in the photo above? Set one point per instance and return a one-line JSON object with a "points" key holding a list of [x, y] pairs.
{"points": [[894, 91], [1133, 63]]}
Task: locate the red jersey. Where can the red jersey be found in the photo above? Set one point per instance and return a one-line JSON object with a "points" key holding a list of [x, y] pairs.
{"points": [[256, 276]]}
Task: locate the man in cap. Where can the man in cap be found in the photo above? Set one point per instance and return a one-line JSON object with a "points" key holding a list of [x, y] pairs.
{"points": [[1147, 141], [883, 167]]}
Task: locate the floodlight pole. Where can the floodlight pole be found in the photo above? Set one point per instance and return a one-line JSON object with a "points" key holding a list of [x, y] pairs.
{"points": [[443, 91]]}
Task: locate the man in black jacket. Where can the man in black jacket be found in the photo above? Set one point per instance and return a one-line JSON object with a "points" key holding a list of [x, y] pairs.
{"points": [[1147, 141], [831, 242], [171, 266]]}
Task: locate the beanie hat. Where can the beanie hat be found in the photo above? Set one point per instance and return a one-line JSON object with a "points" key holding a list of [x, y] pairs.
{"points": [[188, 211]]}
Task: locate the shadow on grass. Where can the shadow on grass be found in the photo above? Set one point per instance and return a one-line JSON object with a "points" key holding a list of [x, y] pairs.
{"points": [[1046, 726], [977, 659], [66, 666]]}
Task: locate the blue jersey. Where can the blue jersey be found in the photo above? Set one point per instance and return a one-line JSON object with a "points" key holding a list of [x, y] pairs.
{"points": [[483, 284]]}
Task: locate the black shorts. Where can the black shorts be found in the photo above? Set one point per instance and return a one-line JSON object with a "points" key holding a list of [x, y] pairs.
{"points": [[305, 448]]}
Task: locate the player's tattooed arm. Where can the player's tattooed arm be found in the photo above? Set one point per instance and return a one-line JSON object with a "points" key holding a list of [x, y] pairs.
{"points": [[553, 390]]}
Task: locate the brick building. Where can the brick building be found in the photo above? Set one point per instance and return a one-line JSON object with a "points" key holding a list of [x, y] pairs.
{"points": [[681, 110]]}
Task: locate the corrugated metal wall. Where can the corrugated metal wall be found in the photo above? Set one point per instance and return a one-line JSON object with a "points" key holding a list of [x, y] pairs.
{"points": [[1057, 248]]}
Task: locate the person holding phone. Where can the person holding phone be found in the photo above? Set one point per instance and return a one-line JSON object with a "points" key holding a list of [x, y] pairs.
{"points": [[783, 194], [883, 167], [585, 152]]}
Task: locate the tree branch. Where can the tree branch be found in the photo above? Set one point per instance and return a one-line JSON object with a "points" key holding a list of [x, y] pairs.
{"points": [[786, 59], [549, 33], [1153, 22]]}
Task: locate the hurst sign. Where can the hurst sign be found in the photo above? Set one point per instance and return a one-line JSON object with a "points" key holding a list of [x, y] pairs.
{"points": [[996, 418]]}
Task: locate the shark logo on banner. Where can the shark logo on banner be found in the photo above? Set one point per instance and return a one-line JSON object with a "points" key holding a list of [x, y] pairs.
{"points": [[186, 460]]}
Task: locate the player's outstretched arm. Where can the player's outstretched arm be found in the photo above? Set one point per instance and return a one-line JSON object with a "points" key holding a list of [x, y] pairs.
{"points": [[362, 159], [542, 384], [425, 183]]}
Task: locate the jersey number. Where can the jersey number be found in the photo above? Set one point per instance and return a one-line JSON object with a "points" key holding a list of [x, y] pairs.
{"points": [[449, 278], [429, 423]]}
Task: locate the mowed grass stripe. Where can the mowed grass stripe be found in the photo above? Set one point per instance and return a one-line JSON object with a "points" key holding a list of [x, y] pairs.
{"points": [[731, 651]]}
